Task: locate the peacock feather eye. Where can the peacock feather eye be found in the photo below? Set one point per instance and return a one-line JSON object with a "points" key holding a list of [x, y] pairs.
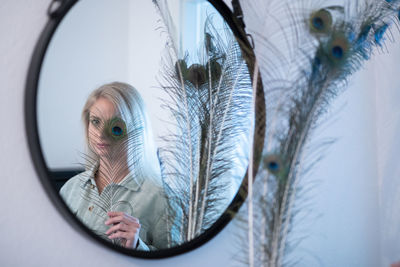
{"points": [[337, 52], [337, 49], [273, 163], [197, 74], [116, 129], [320, 21]]}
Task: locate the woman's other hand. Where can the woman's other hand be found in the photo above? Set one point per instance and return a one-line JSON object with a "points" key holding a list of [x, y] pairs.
{"points": [[123, 226]]}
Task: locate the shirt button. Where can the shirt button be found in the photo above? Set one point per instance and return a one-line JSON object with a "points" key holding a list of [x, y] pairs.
{"points": [[92, 186], [91, 208]]}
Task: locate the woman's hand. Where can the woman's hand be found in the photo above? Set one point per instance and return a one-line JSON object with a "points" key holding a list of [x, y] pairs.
{"points": [[123, 226]]}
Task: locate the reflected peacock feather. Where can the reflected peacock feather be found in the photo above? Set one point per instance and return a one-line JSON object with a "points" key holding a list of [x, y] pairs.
{"points": [[210, 101]]}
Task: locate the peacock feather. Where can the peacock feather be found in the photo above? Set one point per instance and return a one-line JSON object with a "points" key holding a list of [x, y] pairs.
{"points": [[210, 101], [305, 63]]}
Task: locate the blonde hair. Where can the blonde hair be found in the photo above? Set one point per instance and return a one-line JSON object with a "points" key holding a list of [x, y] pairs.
{"points": [[142, 153]]}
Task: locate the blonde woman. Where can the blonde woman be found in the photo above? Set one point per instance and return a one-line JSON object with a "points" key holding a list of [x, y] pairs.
{"points": [[120, 195]]}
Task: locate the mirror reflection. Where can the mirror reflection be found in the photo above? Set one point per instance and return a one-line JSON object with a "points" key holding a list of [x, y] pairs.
{"points": [[145, 118]]}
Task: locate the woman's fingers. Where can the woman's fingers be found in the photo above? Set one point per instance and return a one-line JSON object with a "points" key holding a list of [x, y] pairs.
{"points": [[130, 238], [126, 235], [122, 227], [118, 227], [114, 220], [119, 234]]}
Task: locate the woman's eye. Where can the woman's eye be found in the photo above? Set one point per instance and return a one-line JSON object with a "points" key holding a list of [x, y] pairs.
{"points": [[95, 122]]}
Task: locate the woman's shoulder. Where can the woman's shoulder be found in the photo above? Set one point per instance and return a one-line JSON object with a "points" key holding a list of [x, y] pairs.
{"points": [[74, 183], [154, 193], [153, 186]]}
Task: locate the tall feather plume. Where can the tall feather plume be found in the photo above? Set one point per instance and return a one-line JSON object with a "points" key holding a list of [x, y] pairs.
{"points": [[210, 102], [305, 62]]}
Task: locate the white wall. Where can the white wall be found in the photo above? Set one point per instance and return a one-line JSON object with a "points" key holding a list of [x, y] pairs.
{"points": [[387, 83]]}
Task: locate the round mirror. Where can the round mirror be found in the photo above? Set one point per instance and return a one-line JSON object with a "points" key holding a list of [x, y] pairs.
{"points": [[141, 120]]}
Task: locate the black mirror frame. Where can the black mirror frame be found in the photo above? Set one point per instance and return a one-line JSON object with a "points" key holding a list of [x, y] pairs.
{"points": [[56, 12]]}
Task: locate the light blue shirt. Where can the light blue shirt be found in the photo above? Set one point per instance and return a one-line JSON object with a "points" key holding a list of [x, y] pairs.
{"points": [[141, 198]]}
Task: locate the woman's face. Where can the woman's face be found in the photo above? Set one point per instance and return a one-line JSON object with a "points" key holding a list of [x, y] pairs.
{"points": [[106, 130]]}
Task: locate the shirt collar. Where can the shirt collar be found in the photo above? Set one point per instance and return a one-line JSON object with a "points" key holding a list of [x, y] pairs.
{"points": [[130, 181]]}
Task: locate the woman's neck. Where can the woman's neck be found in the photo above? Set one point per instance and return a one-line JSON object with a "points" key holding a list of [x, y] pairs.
{"points": [[110, 172]]}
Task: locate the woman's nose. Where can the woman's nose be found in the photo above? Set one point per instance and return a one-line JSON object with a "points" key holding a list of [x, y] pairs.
{"points": [[102, 133], [98, 132]]}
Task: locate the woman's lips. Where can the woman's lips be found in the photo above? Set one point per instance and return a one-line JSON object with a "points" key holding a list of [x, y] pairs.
{"points": [[102, 145]]}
